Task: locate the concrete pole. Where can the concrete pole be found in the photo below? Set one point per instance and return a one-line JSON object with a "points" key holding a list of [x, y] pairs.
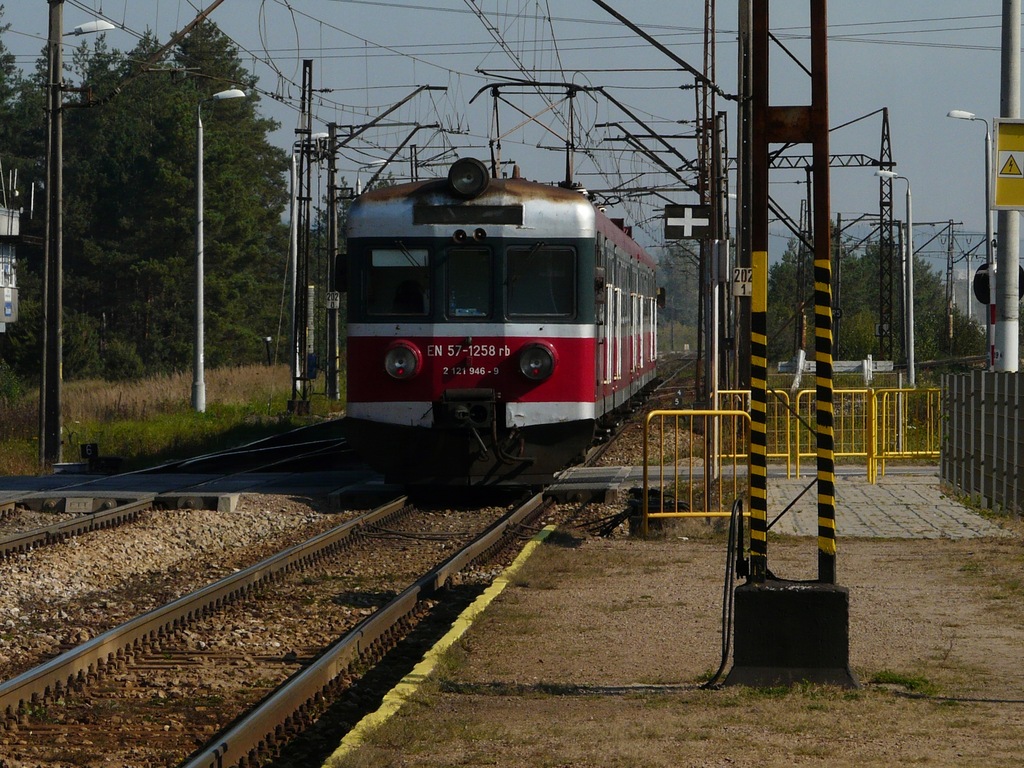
{"points": [[293, 263], [50, 412], [333, 295], [908, 272], [1008, 250], [744, 183], [911, 362], [990, 309], [198, 360], [990, 244]]}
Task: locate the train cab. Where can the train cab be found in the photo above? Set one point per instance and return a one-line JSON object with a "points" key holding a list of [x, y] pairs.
{"points": [[473, 352]]}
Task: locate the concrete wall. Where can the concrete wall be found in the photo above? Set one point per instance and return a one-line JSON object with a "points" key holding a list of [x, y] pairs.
{"points": [[983, 445]]}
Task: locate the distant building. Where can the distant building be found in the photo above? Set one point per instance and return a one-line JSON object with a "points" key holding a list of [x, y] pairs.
{"points": [[9, 232]]}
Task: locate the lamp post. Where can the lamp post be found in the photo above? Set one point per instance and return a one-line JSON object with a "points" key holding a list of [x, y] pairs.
{"points": [[990, 313], [909, 278], [198, 370], [50, 411]]}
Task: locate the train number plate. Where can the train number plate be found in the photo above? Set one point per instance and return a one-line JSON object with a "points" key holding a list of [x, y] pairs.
{"points": [[461, 359]]}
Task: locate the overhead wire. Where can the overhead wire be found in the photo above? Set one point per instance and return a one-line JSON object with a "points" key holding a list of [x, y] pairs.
{"points": [[516, 19], [267, 60]]}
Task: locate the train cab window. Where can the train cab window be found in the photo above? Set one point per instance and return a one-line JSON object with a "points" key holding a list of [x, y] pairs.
{"points": [[468, 283], [541, 281], [398, 282]]}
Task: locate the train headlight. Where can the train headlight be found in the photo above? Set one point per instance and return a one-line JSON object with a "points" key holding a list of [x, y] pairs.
{"points": [[402, 360], [537, 361], [468, 177]]}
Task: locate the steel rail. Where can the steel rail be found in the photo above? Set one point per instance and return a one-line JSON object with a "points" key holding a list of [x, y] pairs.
{"points": [[107, 516], [76, 665], [253, 452], [93, 521], [300, 695]]}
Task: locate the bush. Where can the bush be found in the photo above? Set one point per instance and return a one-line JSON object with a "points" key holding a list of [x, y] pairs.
{"points": [[11, 389], [121, 362]]}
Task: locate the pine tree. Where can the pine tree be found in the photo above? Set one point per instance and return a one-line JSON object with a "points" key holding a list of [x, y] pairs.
{"points": [[129, 209]]}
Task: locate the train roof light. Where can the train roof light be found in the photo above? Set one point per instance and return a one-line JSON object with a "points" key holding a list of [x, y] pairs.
{"points": [[468, 177]]}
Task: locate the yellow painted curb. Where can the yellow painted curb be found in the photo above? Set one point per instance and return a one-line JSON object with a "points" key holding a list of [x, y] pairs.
{"points": [[398, 695]]}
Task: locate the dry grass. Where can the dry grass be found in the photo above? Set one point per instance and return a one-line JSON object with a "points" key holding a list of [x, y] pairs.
{"points": [[102, 401], [152, 419]]}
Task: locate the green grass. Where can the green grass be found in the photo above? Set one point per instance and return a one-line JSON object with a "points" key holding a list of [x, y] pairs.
{"points": [[912, 683], [151, 421], [180, 435]]}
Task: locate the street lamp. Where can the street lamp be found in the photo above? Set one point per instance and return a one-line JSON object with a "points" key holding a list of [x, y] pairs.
{"points": [[51, 373], [909, 279], [97, 25], [990, 315], [198, 372]]}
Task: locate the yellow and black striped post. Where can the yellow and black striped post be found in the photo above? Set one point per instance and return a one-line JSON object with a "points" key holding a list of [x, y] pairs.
{"points": [[822, 220], [759, 417], [785, 633], [826, 420], [778, 125]]}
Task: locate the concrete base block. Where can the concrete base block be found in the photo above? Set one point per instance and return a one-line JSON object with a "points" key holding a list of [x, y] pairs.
{"points": [[222, 502], [227, 503], [786, 633]]}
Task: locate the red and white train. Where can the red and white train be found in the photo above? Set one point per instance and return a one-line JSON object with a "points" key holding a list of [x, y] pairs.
{"points": [[493, 326]]}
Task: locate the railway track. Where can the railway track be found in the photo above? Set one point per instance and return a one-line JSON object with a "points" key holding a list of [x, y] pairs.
{"points": [[109, 515], [155, 662], [83, 506], [171, 678]]}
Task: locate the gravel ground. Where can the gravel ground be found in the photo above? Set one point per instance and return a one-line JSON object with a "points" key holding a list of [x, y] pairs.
{"points": [[180, 692], [59, 596]]}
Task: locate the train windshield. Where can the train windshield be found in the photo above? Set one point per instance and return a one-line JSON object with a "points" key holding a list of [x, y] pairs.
{"points": [[469, 282], [541, 281], [398, 282]]}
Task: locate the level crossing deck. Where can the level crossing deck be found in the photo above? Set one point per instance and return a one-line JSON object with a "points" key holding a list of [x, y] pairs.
{"points": [[907, 502]]}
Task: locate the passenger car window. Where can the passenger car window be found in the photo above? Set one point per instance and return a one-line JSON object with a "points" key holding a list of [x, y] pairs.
{"points": [[468, 283], [541, 281], [398, 282]]}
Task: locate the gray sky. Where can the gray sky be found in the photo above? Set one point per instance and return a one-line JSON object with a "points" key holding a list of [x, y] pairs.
{"points": [[919, 58]]}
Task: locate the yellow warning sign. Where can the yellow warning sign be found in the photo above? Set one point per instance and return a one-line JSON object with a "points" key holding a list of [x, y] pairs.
{"points": [[1008, 180], [1010, 167]]}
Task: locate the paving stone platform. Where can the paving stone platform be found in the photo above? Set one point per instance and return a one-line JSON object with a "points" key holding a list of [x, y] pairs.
{"points": [[904, 506], [909, 502]]}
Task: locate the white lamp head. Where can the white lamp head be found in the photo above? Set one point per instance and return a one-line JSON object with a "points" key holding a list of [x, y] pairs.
{"points": [[99, 25], [231, 93]]}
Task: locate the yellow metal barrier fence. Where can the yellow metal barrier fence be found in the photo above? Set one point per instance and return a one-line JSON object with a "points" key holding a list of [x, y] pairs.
{"points": [[703, 455], [909, 424], [854, 426], [780, 429], [700, 455], [871, 425]]}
